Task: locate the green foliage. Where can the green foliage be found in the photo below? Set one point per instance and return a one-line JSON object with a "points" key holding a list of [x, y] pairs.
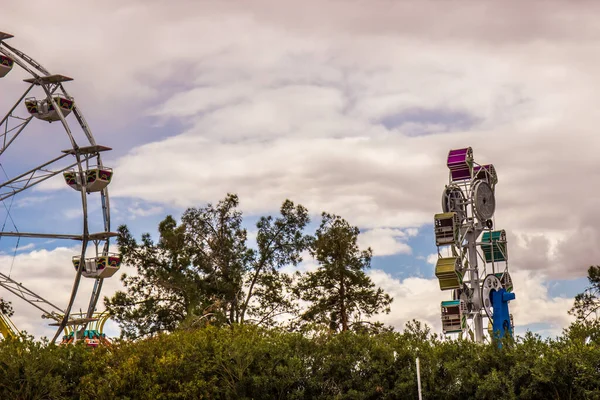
{"points": [[339, 291], [202, 270], [250, 362], [38, 370], [6, 308], [587, 304]]}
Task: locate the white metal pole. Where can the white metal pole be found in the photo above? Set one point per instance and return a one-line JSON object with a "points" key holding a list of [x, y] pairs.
{"points": [[419, 379], [477, 301]]}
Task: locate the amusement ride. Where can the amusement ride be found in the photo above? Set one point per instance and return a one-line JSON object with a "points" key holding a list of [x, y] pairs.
{"points": [[80, 166], [472, 255]]}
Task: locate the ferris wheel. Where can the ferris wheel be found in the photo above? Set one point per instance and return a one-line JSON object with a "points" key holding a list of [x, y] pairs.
{"points": [[78, 163], [474, 269]]}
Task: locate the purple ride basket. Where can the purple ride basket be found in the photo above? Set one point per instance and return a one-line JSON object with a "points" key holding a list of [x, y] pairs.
{"points": [[487, 172], [460, 163]]}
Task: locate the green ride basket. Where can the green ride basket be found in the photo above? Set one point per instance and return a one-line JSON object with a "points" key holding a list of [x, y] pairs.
{"points": [[493, 245], [448, 272]]}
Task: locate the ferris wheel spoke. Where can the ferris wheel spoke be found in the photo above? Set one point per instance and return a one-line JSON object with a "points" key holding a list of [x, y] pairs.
{"points": [[49, 309], [94, 297], [36, 175], [9, 132], [80, 118], [65, 319], [17, 60], [95, 237], [28, 59], [12, 124]]}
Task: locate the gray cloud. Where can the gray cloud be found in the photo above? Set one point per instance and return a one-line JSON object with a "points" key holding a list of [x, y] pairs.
{"points": [[280, 101]]}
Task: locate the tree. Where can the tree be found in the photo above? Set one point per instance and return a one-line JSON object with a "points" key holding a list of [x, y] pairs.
{"points": [[587, 304], [6, 307], [280, 242], [339, 291], [203, 269]]}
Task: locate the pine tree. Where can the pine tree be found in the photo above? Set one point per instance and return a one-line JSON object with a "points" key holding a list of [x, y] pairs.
{"points": [[339, 292]]}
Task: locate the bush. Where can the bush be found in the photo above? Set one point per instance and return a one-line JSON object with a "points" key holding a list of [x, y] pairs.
{"points": [[248, 362]]}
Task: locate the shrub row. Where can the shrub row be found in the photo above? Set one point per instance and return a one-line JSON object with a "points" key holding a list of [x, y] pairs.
{"points": [[247, 362]]}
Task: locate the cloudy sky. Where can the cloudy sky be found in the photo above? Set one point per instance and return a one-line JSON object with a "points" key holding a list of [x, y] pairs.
{"points": [[343, 106]]}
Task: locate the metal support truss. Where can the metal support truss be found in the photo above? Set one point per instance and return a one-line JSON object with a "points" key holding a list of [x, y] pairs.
{"points": [[9, 133], [49, 309]]}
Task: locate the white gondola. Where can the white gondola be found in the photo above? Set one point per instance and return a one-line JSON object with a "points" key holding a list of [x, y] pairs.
{"points": [[97, 178], [99, 267], [6, 65], [44, 110], [454, 316]]}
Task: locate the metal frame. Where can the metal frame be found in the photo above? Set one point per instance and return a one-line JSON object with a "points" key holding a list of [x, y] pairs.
{"points": [[74, 331], [468, 248], [11, 126]]}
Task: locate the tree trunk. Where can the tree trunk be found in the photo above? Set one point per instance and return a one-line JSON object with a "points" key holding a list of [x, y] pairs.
{"points": [[343, 311]]}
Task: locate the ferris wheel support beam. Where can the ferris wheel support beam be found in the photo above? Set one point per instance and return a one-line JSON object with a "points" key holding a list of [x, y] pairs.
{"points": [[85, 235], [92, 236], [98, 283], [105, 211], [94, 297], [30, 297], [82, 122]]}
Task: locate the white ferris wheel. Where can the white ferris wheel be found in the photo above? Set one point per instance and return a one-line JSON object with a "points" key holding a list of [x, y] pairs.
{"points": [[72, 156]]}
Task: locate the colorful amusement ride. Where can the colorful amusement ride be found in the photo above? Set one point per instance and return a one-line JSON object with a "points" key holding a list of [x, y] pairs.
{"points": [[466, 239], [81, 167]]}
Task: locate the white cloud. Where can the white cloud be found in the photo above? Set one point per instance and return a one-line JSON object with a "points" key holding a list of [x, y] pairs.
{"points": [[414, 298], [138, 210], [386, 241], [432, 258], [31, 201], [304, 118], [50, 274], [24, 248], [344, 176], [308, 264], [73, 213], [534, 305], [417, 298]]}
